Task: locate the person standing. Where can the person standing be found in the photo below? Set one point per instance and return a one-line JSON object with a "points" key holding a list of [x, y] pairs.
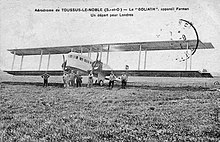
{"points": [[45, 77], [111, 80], [90, 80], [78, 80], [66, 79], [124, 79], [72, 78]]}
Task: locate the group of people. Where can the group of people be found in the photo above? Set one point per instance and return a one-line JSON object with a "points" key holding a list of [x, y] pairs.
{"points": [[72, 79], [75, 79], [112, 78]]}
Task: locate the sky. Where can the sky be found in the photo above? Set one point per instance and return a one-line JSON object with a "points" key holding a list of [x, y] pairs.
{"points": [[23, 27]]}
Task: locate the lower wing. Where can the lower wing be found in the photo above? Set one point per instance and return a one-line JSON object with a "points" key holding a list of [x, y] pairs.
{"points": [[36, 73], [41, 72], [157, 73]]}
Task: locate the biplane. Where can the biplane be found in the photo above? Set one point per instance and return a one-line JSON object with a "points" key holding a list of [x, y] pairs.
{"points": [[76, 60]]}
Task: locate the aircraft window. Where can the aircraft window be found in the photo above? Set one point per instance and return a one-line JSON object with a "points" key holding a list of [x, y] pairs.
{"points": [[85, 60], [81, 59], [76, 57]]}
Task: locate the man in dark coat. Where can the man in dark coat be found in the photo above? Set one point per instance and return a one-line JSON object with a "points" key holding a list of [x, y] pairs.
{"points": [[78, 80], [45, 76]]}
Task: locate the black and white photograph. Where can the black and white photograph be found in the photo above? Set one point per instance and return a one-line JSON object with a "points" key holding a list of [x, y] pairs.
{"points": [[109, 71]]}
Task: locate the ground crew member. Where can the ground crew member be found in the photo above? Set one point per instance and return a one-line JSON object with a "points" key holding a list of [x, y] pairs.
{"points": [[111, 80], [78, 80], [90, 80], [66, 79], [45, 76], [124, 79], [72, 78]]}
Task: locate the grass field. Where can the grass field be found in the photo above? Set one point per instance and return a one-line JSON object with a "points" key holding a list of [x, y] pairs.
{"points": [[155, 109]]}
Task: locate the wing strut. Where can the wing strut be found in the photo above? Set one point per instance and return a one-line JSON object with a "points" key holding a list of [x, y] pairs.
{"points": [[48, 61], [81, 50], [22, 57], [107, 55], [89, 52], [41, 54], [186, 61], [190, 60], [101, 53], [145, 59], [13, 62], [139, 59], [188, 56]]}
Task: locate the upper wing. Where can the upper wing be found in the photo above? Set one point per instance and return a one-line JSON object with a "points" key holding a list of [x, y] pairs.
{"points": [[158, 73], [113, 47]]}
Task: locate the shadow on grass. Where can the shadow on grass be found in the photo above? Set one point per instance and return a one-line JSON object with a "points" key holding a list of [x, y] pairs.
{"points": [[148, 87], [182, 88], [32, 83]]}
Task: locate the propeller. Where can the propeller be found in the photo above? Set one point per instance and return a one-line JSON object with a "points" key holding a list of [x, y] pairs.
{"points": [[96, 64], [97, 56], [64, 63], [63, 58]]}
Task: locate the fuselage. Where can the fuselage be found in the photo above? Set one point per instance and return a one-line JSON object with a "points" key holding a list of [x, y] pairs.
{"points": [[82, 62]]}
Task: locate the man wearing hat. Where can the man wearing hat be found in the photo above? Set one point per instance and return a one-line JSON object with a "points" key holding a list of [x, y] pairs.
{"points": [[45, 76], [111, 80]]}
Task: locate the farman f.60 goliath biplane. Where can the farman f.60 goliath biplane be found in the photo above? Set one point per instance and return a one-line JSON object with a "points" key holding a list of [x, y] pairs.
{"points": [[76, 60]]}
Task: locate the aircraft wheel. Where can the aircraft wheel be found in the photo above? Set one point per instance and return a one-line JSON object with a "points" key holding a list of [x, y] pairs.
{"points": [[101, 83], [216, 83]]}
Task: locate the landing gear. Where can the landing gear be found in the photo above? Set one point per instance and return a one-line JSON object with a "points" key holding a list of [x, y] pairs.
{"points": [[101, 83]]}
